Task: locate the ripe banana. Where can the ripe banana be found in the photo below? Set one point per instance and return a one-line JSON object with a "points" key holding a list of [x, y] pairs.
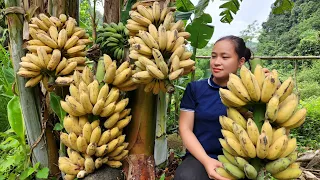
{"points": [[285, 89], [259, 75], [236, 86], [253, 131], [251, 83], [230, 98], [272, 108], [269, 87], [262, 146], [237, 117]]}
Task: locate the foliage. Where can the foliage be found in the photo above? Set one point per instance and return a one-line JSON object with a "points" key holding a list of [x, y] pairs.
{"points": [[86, 14]]}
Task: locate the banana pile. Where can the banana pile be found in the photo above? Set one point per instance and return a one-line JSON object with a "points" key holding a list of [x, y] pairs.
{"points": [[56, 48], [113, 39], [157, 45], [89, 147], [243, 142], [120, 77]]}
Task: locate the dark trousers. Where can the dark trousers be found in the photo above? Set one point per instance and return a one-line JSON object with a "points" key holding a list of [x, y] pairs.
{"points": [[191, 169]]}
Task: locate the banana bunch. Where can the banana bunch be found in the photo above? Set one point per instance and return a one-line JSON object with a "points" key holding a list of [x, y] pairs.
{"points": [[56, 48], [157, 46], [243, 142], [89, 146], [86, 97], [113, 39], [121, 76]]}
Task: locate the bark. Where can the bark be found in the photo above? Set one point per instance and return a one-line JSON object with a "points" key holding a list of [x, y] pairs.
{"points": [[111, 11]]}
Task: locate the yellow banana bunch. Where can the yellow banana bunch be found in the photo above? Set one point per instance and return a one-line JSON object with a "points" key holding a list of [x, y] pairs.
{"points": [[55, 52]]}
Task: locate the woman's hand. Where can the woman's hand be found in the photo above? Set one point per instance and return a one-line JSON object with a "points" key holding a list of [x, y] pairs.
{"points": [[210, 166], [266, 71]]}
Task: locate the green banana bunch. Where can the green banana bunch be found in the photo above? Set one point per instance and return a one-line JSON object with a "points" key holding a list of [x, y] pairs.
{"points": [[113, 39]]}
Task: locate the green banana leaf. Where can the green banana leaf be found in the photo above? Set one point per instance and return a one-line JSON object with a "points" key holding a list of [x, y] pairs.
{"points": [[56, 107], [201, 32], [232, 6], [184, 5], [200, 7], [15, 118]]}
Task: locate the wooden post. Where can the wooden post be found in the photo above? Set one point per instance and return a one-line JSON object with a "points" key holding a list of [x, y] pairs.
{"points": [[111, 11], [29, 97]]}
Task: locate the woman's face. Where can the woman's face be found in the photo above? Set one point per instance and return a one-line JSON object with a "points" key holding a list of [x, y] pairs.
{"points": [[224, 60]]}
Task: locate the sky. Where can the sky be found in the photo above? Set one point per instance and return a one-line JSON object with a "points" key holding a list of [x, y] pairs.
{"points": [[250, 10]]}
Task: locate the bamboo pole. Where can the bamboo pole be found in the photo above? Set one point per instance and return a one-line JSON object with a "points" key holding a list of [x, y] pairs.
{"points": [[275, 57], [29, 98]]}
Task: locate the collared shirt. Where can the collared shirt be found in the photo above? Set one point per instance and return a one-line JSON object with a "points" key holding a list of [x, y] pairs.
{"points": [[202, 97]]}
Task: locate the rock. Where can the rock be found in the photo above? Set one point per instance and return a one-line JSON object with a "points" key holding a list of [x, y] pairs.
{"points": [[105, 172]]}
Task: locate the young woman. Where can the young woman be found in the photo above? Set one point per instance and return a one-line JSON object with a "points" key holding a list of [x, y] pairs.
{"points": [[200, 109]]}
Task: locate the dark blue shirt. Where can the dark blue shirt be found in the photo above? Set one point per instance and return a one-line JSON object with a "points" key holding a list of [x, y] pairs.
{"points": [[202, 97]]}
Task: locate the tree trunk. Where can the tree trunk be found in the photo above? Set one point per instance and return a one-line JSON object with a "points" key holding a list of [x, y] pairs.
{"points": [[56, 7], [141, 136], [111, 11], [29, 97], [73, 9]]}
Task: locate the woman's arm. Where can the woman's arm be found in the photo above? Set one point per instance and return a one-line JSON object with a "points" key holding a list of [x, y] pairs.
{"points": [[186, 122]]}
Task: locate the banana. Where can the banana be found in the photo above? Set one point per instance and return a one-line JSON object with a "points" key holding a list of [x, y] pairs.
{"points": [[148, 39], [185, 35], [98, 163], [296, 120], [39, 23], [81, 174], [28, 74], [143, 49], [114, 164], [167, 20], [76, 78], [53, 32], [89, 165], [292, 144], [69, 177], [124, 122], [163, 14], [64, 139], [55, 60], [63, 18], [112, 145], [71, 124], [35, 42], [70, 24], [66, 107], [236, 86], [272, 108], [234, 170], [172, 36], [227, 123], [230, 96], [278, 133], [75, 105], [237, 117], [98, 107], [293, 156], [82, 144], [122, 76], [230, 157], [153, 32], [101, 151], [112, 120], [33, 49], [91, 149], [33, 81], [103, 93], [277, 147], [87, 75], [46, 20], [228, 134], [278, 165], [114, 133], [156, 87], [87, 131], [247, 145], [267, 128], [175, 74], [116, 152], [177, 25], [179, 42], [56, 21], [69, 68], [227, 148], [80, 33], [259, 75], [47, 40], [160, 61], [139, 18], [289, 173], [125, 65], [162, 37], [69, 168], [105, 137], [71, 42], [121, 105], [62, 65], [121, 156], [286, 109], [76, 49], [108, 110], [83, 42], [156, 11], [250, 171], [95, 124], [223, 159], [85, 101], [251, 84], [236, 146], [110, 73], [155, 72], [30, 66], [240, 162], [224, 173], [253, 131], [36, 60], [82, 121], [124, 113], [72, 137], [269, 87], [94, 91], [285, 89], [113, 96], [262, 146]]}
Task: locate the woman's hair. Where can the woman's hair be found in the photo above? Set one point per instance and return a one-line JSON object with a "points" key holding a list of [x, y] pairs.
{"points": [[240, 46]]}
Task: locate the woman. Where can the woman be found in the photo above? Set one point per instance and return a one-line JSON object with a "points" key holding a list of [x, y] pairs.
{"points": [[200, 109]]}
